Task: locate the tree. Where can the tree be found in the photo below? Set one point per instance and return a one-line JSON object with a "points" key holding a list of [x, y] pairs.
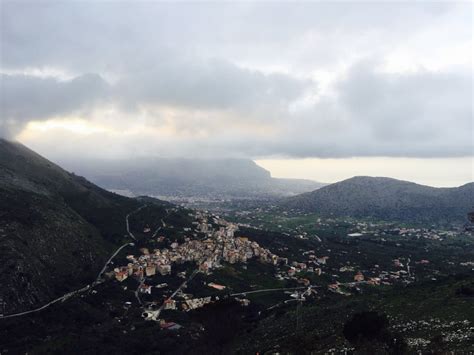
{"points": [[368, 332]]}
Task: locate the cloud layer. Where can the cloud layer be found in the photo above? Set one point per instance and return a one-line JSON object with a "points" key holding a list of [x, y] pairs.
{"points": [[250, 80]]}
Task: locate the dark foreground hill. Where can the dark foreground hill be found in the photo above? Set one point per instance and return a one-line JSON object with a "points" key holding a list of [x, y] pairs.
{"points": [[387, 199], [189, 178], [421, 310], [56, 228]]}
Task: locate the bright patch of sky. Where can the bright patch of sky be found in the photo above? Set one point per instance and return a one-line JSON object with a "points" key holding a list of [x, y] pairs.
{"points": [[275, 81]]}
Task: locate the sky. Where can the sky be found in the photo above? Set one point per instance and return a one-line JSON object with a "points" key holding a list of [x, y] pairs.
{"points": [[318, 90]]}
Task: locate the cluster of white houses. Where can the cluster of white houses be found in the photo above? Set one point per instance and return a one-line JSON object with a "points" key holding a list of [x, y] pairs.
{"points": [[209, 252]]}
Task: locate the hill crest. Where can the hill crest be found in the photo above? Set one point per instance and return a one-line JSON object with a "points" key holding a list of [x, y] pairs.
{"points": [[387, 199]]}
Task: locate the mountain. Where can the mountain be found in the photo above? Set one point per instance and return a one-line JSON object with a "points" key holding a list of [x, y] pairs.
{"points": [[201, 178], [387, 199], [56, 228]]}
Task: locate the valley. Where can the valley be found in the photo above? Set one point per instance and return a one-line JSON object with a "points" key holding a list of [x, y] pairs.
{"points": [[200, 266], [239, 276]]}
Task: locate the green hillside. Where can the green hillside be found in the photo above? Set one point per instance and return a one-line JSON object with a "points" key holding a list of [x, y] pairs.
{"points": [[387, 199]]}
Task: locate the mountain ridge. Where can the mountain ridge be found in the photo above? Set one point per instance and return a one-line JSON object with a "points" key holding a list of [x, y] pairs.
{"points": [[386, 198], [186, 177]]}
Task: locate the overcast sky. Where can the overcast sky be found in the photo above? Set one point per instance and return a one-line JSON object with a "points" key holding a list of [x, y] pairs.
{"points": [[319, 85]]}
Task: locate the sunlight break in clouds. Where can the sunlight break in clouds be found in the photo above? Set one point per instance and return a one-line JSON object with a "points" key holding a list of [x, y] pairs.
{"points": [[387, 82]]}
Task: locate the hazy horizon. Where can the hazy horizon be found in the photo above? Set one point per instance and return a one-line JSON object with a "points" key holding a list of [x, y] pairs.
{"points": [[330, 170], [312, 90]]}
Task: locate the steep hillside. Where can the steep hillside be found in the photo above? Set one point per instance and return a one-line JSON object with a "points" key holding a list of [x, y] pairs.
{"points": [[56, 228], [221, 178], [388, 199]]}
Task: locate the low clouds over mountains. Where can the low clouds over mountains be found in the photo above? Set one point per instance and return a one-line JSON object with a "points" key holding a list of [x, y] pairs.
{"points": [[338, 83]]}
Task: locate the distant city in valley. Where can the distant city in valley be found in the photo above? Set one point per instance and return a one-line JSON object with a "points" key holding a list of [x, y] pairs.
{"points": [[238, 177]]}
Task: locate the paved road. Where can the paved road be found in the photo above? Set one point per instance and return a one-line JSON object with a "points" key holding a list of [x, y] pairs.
{"points": [[156, 232], [128, 224], [85, 288], [88, 287], [110, 259], [62, 298], [272, 289], [142, 281], [195, 272], [137, 294]]}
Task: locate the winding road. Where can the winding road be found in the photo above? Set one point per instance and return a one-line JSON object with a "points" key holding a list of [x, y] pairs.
{"points": [[142, 280], [272, 290], [89, 286], [137, 294], [110, 259], [195, 272], [128, 224], [62, 298]]}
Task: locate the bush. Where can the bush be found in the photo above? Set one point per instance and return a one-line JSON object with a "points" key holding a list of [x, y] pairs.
{"points": [[466, 291], [369, 333], [365, 326]]}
